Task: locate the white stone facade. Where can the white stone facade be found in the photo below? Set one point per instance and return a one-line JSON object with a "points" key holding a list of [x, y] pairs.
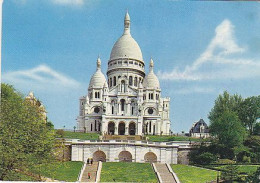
{"points": [[129, 101], [127, 151]]}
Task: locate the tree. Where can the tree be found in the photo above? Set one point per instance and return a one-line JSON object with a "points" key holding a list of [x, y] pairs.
{"points": [[25, 138], [228, 129], [249, 112], [225, 102]]}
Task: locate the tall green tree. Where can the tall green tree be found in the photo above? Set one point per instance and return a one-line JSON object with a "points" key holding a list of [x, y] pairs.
{"points": [[225, 102], [26, 140], [249, 112], [228, 129]]}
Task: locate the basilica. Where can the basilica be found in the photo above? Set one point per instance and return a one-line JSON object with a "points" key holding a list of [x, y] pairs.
{"points": [[128, 101]]}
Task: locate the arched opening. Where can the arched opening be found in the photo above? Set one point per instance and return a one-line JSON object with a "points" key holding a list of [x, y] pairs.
{"points": [[132, 128], [122, 102], [114, 81], [99, 156], [130, 80], [125, 156], [121, 128], [111, 128], [150, 157]]}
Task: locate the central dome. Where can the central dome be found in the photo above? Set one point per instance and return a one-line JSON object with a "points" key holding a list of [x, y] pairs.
{"points": [[126, 46]]}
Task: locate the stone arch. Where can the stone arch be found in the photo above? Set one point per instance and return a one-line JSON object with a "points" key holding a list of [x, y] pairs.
{"points": [[99, 156], [121, 128], [125, 156], [111, 128], [132, 128], [150, 157]]}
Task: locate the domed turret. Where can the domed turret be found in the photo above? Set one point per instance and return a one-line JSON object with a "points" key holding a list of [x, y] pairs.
{"points": [[151, 80], [98, 79], [126, 46]]}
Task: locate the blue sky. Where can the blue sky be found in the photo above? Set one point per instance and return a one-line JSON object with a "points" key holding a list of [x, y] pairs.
{"points": [[199, 49]]}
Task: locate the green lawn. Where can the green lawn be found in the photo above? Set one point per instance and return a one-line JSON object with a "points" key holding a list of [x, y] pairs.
{"points": [[190, 174], [80, 135], [248, 169], [62, 171], [157, 138], [127, 172]]}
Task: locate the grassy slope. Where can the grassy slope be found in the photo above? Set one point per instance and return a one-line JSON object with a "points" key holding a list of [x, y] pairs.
{"points": [[17, 176], [63, 171], [127, 172], [189, 174], [79, 135], [156, 138]]}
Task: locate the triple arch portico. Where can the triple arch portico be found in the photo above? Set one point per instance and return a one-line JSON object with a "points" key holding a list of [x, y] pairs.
{"points": [[121, 128]]}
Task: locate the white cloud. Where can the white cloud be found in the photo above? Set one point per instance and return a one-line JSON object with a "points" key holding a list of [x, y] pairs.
{"points": [[222, 52], [69, 2], [41, 77]]}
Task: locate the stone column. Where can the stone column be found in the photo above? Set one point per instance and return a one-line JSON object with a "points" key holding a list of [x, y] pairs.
{"points": [[139, 126], [126, 128], [116, 128]]}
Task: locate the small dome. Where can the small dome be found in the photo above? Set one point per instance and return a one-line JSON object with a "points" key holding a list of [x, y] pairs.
{"points": [[98, 79], [151, 80], [126, 46]]}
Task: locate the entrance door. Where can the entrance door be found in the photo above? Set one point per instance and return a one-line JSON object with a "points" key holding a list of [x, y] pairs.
{"points": [[132, 129], [111, 128], [121, 128]]}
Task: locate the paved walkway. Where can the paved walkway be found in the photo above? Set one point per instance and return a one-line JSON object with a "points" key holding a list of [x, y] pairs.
{"points": [[165, 174], [92, 169]]}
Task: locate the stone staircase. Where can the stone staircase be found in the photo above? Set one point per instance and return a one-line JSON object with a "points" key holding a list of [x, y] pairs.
{"points": [[92, 169], [164, 172]]}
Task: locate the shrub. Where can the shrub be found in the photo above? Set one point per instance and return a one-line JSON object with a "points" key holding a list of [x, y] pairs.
{"points": [[60, 133], [225, 161], [246, 159]]}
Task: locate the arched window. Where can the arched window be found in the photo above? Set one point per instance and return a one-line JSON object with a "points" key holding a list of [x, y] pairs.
{"points": [[150, 127], [130, 80], [132, 112], [112, 109], [152, 96], [110, 84], [114, 80], [91, 127], [122, 104], [99, 126], [135, 82], [95, 94], [95, 125]]}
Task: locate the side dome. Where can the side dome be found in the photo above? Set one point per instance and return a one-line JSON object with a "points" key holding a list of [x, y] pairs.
{"points": [[98, 79], [151, 80], [126, 46]]}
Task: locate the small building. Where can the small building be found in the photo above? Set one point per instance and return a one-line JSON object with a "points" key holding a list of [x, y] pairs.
{"points": [[199, 129]]}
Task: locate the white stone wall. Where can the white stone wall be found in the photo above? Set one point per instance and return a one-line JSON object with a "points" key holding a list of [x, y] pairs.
{"points": [[164, 153]]}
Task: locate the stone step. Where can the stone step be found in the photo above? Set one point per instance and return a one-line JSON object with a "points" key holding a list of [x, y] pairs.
{"points": [[164, 173], [92, 169]]}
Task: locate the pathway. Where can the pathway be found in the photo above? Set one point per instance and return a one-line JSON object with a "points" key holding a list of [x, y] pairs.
{"points": [[164, 172], [92, 169]]}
